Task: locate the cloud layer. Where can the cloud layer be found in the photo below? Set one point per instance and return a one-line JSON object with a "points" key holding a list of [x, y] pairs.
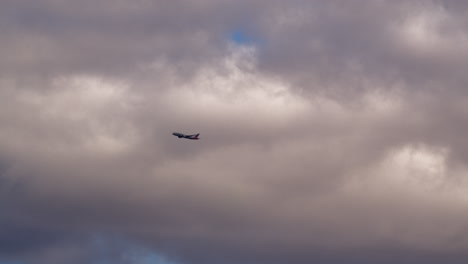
{"points": [[334, 135]]}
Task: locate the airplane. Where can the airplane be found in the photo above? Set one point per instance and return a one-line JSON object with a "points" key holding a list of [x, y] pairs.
{"points": [[180, 135]]}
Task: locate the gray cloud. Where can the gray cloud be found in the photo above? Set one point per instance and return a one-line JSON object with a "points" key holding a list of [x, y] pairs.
{"points": [[336, 135]]}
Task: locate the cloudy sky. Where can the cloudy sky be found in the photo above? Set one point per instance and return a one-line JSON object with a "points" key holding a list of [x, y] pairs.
{"points": [[331, 131]]}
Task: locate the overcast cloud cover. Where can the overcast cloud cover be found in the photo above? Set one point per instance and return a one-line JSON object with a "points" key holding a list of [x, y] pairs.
{"points": [[331, 131]]}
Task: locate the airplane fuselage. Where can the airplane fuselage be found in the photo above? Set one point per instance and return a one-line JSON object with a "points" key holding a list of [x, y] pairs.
{"points": [[192, 137]]}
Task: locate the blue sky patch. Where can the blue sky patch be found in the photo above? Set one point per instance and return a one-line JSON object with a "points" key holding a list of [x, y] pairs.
{"points": [[242, 38]]}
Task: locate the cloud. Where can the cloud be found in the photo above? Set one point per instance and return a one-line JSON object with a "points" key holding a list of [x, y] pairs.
{"points": [[337, 138]]}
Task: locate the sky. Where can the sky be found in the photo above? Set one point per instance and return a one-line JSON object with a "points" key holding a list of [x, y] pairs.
{"points": [[331, 132]]}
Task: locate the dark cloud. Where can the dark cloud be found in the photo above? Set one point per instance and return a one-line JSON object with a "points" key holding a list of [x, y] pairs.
{"points": [[334, 135]]}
